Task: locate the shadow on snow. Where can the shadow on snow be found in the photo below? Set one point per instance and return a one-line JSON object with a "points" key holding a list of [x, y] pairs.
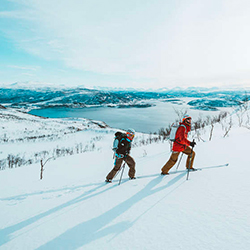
{"points": [[94, 229]]}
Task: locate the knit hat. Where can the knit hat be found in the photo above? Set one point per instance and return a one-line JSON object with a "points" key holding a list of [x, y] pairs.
{"points": [[131, 133]]}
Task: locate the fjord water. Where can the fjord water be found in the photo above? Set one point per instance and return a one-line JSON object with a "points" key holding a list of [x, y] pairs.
{"points": [[146, 120]]}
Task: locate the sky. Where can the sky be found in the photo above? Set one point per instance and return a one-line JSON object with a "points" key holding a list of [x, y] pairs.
{"points": [[132, 43]]}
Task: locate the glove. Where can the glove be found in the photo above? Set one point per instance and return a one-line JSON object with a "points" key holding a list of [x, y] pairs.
{"points": [[192, 144]]}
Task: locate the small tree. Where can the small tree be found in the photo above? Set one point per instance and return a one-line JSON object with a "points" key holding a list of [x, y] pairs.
{"points": [[211, 131], [42, 166], [180, 113], [227, 129]]}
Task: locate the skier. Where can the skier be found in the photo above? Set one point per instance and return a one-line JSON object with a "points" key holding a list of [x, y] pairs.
{"points": [[121, 148], [181, 144]]}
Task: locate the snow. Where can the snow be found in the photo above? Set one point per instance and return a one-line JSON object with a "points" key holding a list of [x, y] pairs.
{"points": [[32, 85], [73, 208], [42, 85]]}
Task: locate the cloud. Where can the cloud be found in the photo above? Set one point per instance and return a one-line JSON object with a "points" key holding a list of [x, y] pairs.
{"points": [[30, 68], [28, 74], [168, 41]]}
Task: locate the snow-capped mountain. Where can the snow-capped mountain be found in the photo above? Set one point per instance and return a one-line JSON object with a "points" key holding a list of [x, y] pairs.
{"points": [[26, 97], [32, 85]]}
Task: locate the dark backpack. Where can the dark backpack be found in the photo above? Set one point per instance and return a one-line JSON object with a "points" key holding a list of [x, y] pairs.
{"points": [[119, 135], [124, 145]]}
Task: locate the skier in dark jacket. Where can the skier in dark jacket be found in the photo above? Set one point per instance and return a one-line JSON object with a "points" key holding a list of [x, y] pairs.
{"points": [[181, 144], [121, 148]]}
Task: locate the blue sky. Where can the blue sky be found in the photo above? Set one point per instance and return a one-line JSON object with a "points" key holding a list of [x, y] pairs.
{"points": [[132, 43]]}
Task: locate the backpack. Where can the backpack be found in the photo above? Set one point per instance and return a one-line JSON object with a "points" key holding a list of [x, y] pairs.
{"points": [[124, 147], [173, 131], [119, 135]]}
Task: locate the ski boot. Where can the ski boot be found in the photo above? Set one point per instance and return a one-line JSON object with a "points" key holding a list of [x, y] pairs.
{"points": [[164, 173], [192, 169]]}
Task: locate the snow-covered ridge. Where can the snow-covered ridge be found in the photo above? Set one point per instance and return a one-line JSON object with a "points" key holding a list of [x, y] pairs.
{"points": [[42, 85], [15, 123], [32, 85], [19, 128]]}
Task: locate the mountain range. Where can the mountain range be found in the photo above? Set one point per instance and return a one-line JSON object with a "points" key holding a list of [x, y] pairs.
{"points": [[36, 96]]}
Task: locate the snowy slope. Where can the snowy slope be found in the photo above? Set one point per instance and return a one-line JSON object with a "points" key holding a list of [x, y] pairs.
{"points": [[26, 139], [72, 207]]}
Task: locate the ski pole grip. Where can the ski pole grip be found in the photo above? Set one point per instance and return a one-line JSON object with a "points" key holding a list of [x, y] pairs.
{"points": [[193, 144]]}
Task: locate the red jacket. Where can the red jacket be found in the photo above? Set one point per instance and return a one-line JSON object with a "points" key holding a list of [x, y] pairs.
{"points": [[181, 141]]}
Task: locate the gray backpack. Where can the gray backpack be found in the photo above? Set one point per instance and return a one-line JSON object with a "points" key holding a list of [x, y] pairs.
{"points": [[173, 131]]}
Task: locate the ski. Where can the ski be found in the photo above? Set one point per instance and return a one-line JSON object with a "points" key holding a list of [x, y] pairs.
{"points": [[199, 169], [184, 171], [217, 166], [122, 181], [173, 172]]}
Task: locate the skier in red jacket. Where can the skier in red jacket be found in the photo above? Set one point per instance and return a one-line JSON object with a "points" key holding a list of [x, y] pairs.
{"points": [[181, 144]]}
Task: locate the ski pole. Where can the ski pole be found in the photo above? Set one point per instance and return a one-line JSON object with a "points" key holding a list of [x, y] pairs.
{"points": [[118, 170], [179, 161], [117, 173], [190, 160], [123, 167]]}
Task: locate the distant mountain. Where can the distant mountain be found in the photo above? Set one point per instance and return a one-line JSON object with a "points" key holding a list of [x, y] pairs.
{"points": [[33, 95], [32, 85]]}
